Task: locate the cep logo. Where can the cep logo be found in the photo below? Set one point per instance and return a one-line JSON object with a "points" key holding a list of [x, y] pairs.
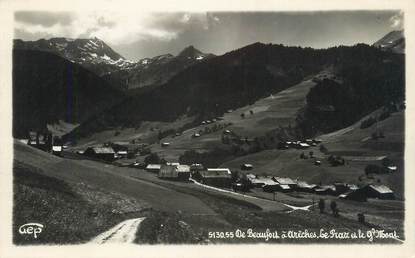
{"points": [[31, 229]]}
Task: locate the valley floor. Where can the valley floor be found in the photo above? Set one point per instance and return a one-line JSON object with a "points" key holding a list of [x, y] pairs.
{"points": [[88, 198]]}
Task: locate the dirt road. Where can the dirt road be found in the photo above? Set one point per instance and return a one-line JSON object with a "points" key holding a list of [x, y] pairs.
{"points": [[265, 204], [123, 232]]}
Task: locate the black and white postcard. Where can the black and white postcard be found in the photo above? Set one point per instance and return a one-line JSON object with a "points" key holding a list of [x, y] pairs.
{"points": [[172, 129]]}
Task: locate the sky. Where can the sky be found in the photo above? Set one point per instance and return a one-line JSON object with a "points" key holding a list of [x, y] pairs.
{"points": [[139, 35]]}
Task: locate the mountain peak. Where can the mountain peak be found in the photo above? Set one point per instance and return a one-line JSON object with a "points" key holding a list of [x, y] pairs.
{"points": [[190, 51], [394, 41]]}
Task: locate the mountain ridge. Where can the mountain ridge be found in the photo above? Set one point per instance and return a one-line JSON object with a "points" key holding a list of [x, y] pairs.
{"points": [[97, 56], [393, 41], [240, 77]]}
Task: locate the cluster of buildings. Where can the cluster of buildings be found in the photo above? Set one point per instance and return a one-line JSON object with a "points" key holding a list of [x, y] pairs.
{"points": [[222, 177], [44, 140], [342, 190], [111, 152], [219, 177], [305, 144]]}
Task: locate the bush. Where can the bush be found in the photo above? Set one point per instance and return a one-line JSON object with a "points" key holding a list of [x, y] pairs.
{"points": [[321, 205], [384, 115], [145, 151], [361, 218], [336, 160], [386, 162], [323, 149], [368, 122], [153, 158]]}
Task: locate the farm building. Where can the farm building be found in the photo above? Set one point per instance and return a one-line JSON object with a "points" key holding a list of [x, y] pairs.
{"points": [[353, 187], [378, 191], [57, 150], [303, 186], [341, 188], [270, 186], [40, 140], [175, 172], [257, 181], [354, 195], [392, 168], [220, 177], [284, 188], [247, 166], [155, 168], [317, 141], [250, 176], [121, 154], [300, 145], [325, 190], [173, 163], [57, 146], [104, 153], [275, 187], [285, 181], [196, 167]]}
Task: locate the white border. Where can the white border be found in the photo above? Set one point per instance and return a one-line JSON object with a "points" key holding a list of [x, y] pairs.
{"points": [[260, 250]]}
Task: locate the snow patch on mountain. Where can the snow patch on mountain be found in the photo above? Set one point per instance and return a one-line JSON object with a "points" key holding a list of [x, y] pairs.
{"points": [[394, 41]]}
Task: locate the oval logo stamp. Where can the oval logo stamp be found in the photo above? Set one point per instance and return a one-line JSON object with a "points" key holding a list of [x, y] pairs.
{"points": [[31, 229]]}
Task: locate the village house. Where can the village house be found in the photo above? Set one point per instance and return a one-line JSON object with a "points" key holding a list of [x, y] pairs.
{"points": [[317, 141], [121, 154], [270, 185], [285, 181], [256, 181], [303, 186], [154, 168], [103, 153], [378, 191], [303, 145], [325, 190], [196, 167], [354, 195], [175, 172], [247, 166], [284, 188], [165, 144], [220, 177], [392, 168], [341, 188], [40, 140], [57, 146], [57, 150], [353, 187]]}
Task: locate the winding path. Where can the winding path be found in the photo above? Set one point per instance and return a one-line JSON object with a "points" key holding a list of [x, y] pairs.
{"points": [[123, 232], [291, 207]]}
